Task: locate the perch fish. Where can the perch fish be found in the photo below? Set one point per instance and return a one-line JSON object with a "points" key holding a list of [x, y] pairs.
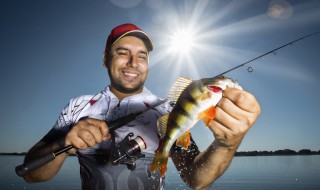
{"points": [[193, 100]]}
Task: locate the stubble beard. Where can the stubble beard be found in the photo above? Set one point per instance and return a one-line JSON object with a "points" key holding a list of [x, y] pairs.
{"points": [[119, 86]]}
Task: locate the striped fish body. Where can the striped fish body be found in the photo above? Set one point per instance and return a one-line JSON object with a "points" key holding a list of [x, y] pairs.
{"points": [[193, 100]]}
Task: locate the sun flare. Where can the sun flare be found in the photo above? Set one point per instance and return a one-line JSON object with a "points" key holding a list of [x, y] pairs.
{"points": [[182, 41]]}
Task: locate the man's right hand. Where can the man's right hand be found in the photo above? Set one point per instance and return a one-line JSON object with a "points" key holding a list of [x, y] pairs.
{"points": [[87, 133]]}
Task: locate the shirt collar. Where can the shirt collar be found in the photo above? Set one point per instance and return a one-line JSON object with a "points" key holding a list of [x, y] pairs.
{"points": [[145, 92]]}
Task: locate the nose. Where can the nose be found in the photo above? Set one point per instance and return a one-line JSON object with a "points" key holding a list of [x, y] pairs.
{"points": [[132, 62]]}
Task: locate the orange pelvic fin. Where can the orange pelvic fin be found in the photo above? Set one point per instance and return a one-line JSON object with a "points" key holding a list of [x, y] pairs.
{"points": [[184, 140], [207, 115], [160, 162]]}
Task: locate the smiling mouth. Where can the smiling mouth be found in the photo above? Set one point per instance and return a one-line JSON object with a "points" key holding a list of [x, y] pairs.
{"points": [[130, 74]]}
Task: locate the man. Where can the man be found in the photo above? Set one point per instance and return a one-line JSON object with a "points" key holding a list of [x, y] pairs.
{"points": [[82, 125]]}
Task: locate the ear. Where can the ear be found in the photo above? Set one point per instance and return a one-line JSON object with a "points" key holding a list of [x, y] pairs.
{"points": [[104, 58]]}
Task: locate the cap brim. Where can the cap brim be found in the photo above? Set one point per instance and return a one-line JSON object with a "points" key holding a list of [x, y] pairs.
{"points": [[140, 34]]}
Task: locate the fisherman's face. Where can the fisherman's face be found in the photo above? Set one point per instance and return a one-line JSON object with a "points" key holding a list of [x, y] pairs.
{"points": [[128, 67]]}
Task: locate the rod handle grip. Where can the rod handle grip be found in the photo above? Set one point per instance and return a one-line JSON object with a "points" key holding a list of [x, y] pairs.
{"points": [[25, 168]]}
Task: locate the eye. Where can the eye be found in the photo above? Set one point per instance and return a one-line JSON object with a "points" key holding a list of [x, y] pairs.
{"points": [[123, 53], [214, 89], [143, 57]]}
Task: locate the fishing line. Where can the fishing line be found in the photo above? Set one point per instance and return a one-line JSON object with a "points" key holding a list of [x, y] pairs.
{"points": [[274, 52]]}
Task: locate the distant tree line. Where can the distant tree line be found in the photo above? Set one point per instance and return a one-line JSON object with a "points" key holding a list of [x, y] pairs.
{"points": [[244, 153], [278, 152], [23, 153], [13, 153]]}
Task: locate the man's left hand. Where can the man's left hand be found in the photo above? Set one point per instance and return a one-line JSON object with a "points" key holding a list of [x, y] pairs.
{"points": [[236, 112]]}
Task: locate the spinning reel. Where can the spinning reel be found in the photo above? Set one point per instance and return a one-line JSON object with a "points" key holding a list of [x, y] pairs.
{"points": [[127, 151]]}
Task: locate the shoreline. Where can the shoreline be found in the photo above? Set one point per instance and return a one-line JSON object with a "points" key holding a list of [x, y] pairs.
{"points": [[284, 152]]}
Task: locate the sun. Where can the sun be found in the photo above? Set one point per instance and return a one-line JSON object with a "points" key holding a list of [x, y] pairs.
{"points": [[194, 42], [182, 41]]}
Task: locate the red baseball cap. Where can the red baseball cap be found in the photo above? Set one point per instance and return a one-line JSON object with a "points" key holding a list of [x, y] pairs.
{"points": [[128, 30]]}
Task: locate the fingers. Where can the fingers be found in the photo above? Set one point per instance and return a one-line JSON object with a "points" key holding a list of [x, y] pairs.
{"points": [[228, 126], [242, 99], [236, 112], [102, 126], [87, 133], [240, 105], [229, 114], [90, 137], [226, 120], [218, 129]]}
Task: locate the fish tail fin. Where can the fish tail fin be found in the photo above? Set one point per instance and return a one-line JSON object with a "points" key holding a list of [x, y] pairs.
{"points": [[184, 140], [160, 162]]}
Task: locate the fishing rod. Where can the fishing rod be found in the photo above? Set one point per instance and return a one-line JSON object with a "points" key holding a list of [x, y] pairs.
{"points": [[25, 168], [269, 52]]}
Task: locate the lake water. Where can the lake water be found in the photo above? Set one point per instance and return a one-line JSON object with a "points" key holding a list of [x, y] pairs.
{"points": [[245, 173]]}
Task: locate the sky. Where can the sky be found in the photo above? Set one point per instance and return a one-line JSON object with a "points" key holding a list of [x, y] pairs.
{"points": [[51, 51]]}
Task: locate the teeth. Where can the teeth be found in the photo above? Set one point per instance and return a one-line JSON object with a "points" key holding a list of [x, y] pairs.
{"points": [[130, 74]]}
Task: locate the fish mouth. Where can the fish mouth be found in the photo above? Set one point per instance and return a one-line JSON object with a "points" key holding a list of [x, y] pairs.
{"points": [[214, 89]]}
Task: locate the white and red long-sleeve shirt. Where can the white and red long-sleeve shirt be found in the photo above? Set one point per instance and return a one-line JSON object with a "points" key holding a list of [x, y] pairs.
{"points": [[95, 167]]}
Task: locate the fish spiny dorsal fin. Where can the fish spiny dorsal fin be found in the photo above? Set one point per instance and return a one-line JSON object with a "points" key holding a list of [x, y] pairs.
{"points": [[162, 125], [177, 88]]}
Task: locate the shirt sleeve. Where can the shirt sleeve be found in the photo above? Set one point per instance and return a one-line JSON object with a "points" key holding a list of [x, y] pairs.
{"points": [[69, 116], [62, 125]]}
